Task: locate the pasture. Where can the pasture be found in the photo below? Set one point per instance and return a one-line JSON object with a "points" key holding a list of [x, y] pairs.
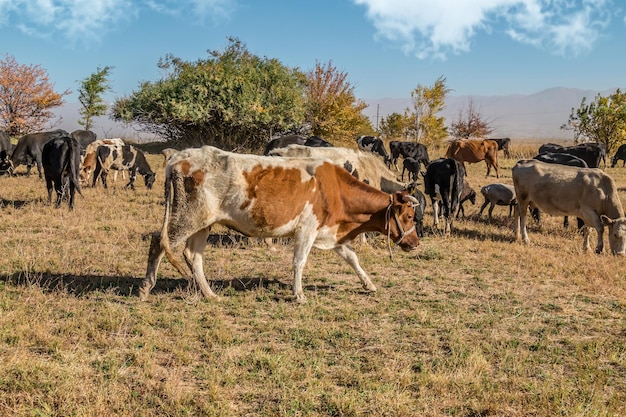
{"points": [[474, 324]]}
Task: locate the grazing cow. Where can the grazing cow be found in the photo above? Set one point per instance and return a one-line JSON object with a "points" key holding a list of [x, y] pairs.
{"points": [[563, 190], [362, 165], [283, 142], [443, 181], [471, 151], [317, 142], [504, 144], [498, 195], [84, 138], [374, 145], [419, 208], [88, 164], [61, 160], [128, 158], [467, 193], [6, 149], [412, 166], [312, 200], [619, 155], [29, 147], [562, 159], [589, 152], [413, 150]]}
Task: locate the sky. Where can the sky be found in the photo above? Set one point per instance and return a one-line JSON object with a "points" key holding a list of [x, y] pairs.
{"points": [[386, 47]]}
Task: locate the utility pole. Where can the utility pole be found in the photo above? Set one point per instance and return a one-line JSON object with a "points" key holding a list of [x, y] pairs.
{"points": [[377, 116]]}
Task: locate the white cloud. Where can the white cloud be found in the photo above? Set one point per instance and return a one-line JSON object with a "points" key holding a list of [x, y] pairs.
{"points": [[434, 29], [84, 21]]}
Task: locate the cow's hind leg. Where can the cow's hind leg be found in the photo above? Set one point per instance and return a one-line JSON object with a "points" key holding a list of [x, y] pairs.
{"points": [[347, 254], [155, 255], [303, 242], [193, 256]]}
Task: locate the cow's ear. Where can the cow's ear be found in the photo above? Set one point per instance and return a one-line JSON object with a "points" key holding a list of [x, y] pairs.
{"points": [[606, 221]]}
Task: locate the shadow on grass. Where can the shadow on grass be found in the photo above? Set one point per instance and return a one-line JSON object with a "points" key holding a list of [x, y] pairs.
{"points": [[17, 204], [126, 286]]}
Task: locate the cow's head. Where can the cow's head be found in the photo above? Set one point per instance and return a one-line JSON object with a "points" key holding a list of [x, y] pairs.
{"points": [[617, 234], [149, 180], [400, 221]]}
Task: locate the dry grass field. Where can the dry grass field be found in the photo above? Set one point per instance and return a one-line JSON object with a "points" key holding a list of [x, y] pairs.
{"points": [[474, 324]]}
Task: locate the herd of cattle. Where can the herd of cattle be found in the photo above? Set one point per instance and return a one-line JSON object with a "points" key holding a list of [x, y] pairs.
{"points": [[325, 196], [70, 160]]}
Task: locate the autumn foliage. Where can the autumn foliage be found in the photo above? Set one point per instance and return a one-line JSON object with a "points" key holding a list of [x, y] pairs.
{"points": [[26, 97]]}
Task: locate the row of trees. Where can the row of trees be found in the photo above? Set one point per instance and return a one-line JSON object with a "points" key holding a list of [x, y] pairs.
{"points": [[236, 100]]}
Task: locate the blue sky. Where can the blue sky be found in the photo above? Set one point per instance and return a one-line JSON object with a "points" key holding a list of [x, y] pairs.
{"points": [[387, 47]]}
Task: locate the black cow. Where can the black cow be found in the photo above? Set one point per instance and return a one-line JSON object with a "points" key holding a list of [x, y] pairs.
{"points": [[419, 208], [122, 158], [374, 145], [619, 155], [6, 149], [444, 181], [61, 162], [29, 147], [317, 142], [411, 165], [561, 159], [503, 145], [283, 142], [84, 138], [413, 150], [589, 152]]}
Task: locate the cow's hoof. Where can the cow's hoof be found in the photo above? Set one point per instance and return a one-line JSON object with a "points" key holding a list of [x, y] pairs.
{"points": [[370, 287], [300, 299]]}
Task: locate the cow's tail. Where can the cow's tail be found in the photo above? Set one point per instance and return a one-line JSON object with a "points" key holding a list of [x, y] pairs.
{"points": [[74, 162], [165, 238], [457, 185]]}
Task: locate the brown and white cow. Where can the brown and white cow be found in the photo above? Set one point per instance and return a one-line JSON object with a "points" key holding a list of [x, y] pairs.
{"points": [[88, 164], [471, 151], [122, 158], [561, 190], [312, 200]]}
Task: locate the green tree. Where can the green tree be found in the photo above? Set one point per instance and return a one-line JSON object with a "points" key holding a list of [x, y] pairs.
{"points": [[470, 123], [232, 100], [332, 110], [90, 96], [394, 126], [26, 97], [602, 121], [425, 125]]}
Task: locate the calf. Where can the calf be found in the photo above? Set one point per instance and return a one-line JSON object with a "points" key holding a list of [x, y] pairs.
{"points": [[61, 160], [412, 166], [563, 190], [443, 182], [128, 158], [467, 193], [497, 195], [314, 201], [619, 155]]}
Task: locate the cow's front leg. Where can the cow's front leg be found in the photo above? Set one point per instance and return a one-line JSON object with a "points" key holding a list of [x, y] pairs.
{"points": [[347, 254]]}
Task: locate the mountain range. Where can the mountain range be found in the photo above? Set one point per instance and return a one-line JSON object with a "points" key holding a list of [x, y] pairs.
{"points": [[535, 116]]}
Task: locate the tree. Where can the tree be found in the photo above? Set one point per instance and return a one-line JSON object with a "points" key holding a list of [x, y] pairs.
{"points": [[26, 97], [232, 100], [332, 110], [395, 125], [90, 96], [470, 123], [602, 121], [426, 127]]}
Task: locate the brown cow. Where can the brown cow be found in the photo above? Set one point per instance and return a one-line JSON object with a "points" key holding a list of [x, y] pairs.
{"points": [[471, 151], [312, 200]]}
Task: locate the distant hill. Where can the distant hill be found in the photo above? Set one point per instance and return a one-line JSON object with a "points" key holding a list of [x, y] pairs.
{"points": [[535, 116]]}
